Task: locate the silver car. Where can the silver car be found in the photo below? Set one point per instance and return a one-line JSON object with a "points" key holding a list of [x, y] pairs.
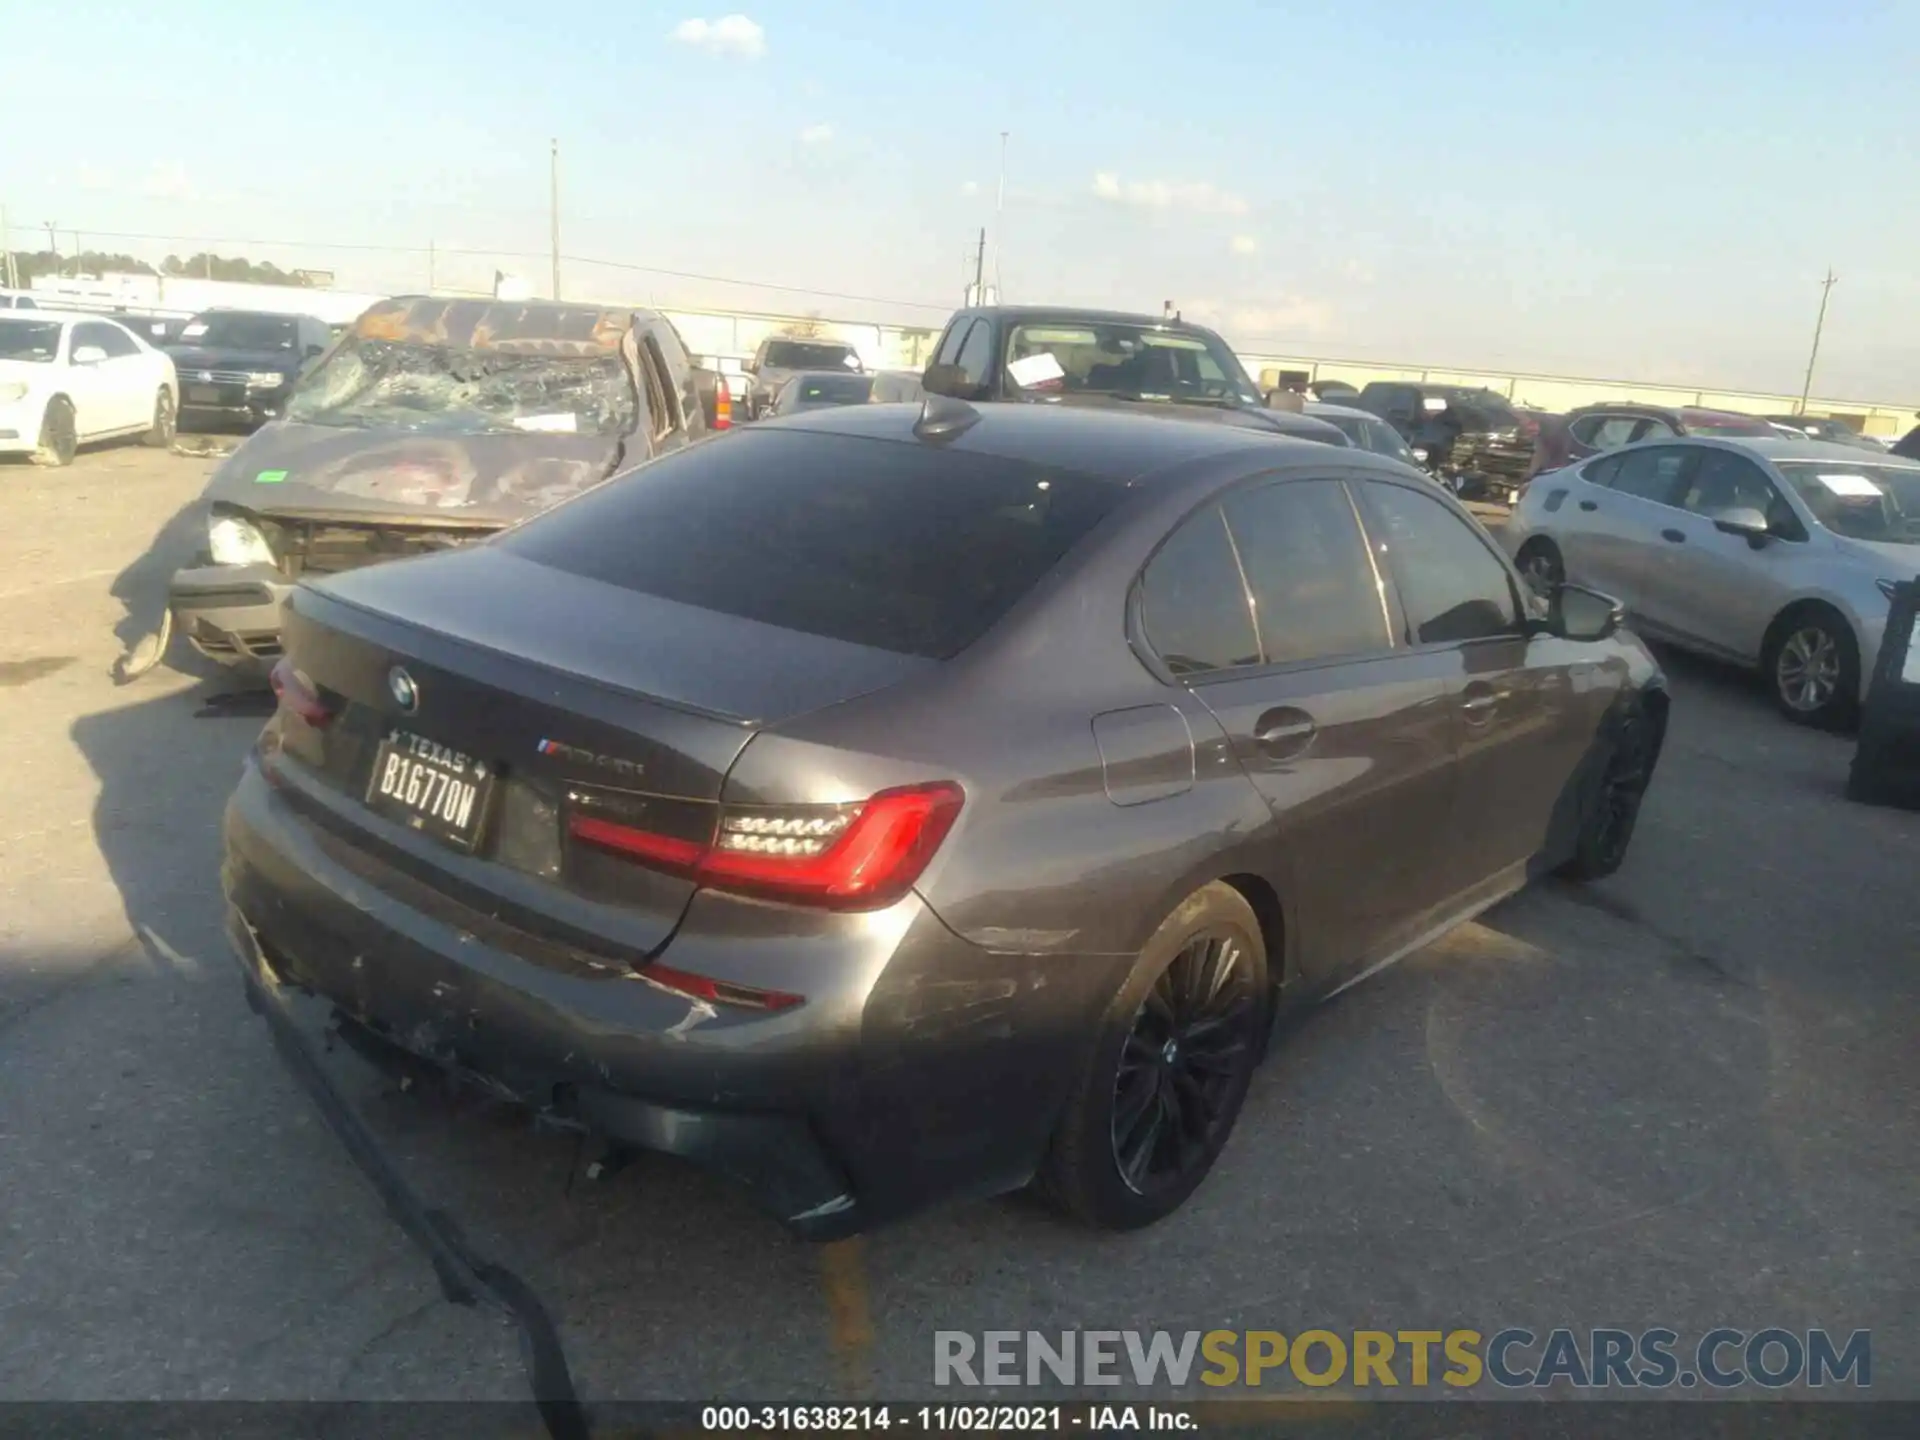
{"points": [[1780, 554]]}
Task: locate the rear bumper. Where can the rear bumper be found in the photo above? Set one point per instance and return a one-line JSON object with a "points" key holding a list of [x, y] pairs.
{"points": [[920, 1069], [230, 613]]}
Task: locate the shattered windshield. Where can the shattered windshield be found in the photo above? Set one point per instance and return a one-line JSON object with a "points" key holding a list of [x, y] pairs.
{"points": [[382, 384], [1126, 361]]}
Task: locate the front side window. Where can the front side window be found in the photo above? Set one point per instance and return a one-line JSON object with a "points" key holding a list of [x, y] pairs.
{"points": [[1724, 481], [1616, 430], [1655, 473], [1451, 584], [115, 341], [1193, 604], [1305, 561]]}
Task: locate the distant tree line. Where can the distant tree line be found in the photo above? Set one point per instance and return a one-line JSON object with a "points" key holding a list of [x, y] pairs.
{"points": [[203, 266]]}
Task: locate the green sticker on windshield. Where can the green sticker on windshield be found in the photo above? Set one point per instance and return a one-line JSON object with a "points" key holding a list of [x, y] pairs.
{"points": [[269, 477]]}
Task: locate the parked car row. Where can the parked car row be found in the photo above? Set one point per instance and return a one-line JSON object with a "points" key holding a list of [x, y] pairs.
{"points": [[68, 379]]}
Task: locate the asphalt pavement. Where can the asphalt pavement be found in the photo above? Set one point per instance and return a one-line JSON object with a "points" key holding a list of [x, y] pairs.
{"points": [[1685, 1097]]}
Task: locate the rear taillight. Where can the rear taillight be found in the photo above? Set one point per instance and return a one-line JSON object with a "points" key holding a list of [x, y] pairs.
{"points": [[297, 694], [836, 857], [722, 406]]}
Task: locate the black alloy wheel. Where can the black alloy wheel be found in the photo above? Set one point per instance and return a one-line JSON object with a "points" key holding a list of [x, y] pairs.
{"points": [[1168, 1071], [1176, 1086], [1607, 829]]}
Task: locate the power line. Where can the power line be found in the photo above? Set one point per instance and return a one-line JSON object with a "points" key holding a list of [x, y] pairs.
{"points": [[434, 251]]}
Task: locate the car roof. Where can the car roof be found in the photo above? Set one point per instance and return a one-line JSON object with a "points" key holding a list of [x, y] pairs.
{"points": [[248, 310], [1017, 313], [533, 327], [1322, 407], [42, 313], [1102, 444], [1779, 447]]}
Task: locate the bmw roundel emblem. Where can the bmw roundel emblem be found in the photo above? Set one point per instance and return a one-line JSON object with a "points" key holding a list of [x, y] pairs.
{"points": [[405, 693]]}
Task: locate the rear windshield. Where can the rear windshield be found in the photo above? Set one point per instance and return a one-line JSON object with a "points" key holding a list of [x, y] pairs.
{"points": [[802, 355], [902, 547]]}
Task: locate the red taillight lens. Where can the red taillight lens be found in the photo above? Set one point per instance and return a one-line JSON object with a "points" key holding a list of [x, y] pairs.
{"points": [[297, 694], [836, 857], [722, 406]]}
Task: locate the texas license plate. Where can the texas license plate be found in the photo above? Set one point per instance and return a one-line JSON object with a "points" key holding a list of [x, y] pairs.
{"points": [[203, 395], [431, 787]]}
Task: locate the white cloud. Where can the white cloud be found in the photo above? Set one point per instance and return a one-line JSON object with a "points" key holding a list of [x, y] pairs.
{"points": [[1245, 245], [92, 177], [167, 180], [970, 188], [1196, 196], [729, 35], [816, 135], [1288, 315]]}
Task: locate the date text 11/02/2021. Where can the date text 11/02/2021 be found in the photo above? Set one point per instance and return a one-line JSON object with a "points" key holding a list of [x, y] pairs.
{"points": [[1050, 1419]]}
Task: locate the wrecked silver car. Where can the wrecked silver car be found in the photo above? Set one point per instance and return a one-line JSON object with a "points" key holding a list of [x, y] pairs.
{"points": [[430, 423]]}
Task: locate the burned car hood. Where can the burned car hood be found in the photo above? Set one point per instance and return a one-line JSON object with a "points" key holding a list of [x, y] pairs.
{"points": [[444, 479]]}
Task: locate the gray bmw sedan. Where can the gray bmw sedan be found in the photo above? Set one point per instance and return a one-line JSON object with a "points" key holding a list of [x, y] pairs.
{"points": [[892, 804]]}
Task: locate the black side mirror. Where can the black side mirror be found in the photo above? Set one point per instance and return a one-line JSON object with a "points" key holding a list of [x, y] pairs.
{"points": [[951, 381], [1577, 613]]}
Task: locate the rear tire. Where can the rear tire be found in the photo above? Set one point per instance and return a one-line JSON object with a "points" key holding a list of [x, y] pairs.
{"points": [[1812, 667], [1169, 1070], [59, 435], [165, 421]]}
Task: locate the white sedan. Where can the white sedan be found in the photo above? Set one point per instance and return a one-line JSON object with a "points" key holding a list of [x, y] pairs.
{"points": [[67, 379]]}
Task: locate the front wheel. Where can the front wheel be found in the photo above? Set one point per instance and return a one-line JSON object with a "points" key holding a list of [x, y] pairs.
{"points": [[59, 434], [1170, 1069], [161, 431], [1606, 830]]}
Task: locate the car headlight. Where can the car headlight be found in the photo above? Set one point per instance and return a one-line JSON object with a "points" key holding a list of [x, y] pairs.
{"points": [[237, 541], [265, 380], [15, 391]]}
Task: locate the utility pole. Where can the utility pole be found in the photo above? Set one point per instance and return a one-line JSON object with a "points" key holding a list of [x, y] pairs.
{"points": [[978, 297], [11, 270], [429, 267], [1826, 290], [555, 175], [53, 244], [999, 210]]}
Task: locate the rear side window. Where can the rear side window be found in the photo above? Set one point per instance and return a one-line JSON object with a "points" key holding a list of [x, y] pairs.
{"points": [[1451, 585], [902, 547], [1193, 605], [1314, 593]]}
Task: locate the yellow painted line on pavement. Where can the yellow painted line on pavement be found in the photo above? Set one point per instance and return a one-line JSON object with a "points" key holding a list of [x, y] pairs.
{"points": [[843, 1281]]}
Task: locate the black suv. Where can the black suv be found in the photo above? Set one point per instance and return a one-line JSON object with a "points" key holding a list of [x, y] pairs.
{"points": [[1106, 358], [781, 357], [1474, 438], [241, 364]]}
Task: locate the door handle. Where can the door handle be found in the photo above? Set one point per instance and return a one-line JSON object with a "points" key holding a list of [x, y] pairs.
{"points": [[1589, 505], [1478, 706], [1284, 732], [1678, 537]]}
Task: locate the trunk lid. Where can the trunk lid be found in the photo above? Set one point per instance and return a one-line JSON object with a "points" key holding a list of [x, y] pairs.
{"points": [[573, 696]]}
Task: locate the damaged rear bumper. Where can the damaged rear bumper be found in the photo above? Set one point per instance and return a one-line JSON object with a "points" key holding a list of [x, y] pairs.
{"points": [[230, 613], [907, 1078]]}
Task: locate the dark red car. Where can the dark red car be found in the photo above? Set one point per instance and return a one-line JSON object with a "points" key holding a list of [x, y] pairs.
{"points": [[1593, 428]]}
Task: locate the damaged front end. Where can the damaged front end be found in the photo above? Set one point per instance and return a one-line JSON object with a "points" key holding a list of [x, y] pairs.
{"points": [[431, 425]]}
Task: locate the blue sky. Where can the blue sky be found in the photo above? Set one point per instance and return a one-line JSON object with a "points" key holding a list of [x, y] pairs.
{"points": [[1633, 190]]}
